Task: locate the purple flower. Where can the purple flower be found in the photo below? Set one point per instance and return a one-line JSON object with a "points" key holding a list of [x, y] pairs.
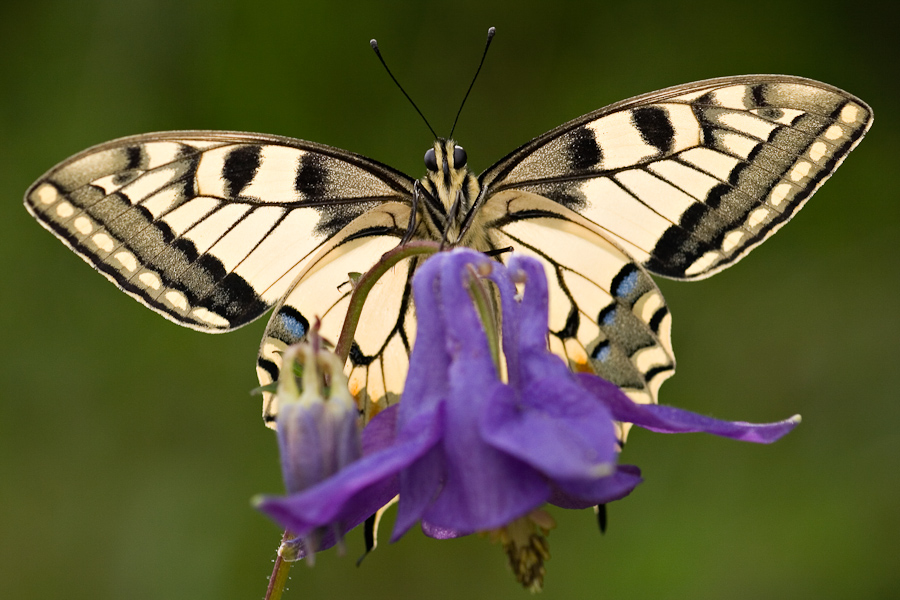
{"points": [[467, 451]]}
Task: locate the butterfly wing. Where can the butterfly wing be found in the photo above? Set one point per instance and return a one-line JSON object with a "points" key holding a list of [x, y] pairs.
{"points": [[689, 179], [378, 358], [606, 312], [682, 183], [208, 228]]}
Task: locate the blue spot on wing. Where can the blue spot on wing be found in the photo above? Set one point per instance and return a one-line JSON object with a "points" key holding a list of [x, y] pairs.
{"points": [[602, 351], [627, 284], [607, 316], [293, 323], [294, 326]]}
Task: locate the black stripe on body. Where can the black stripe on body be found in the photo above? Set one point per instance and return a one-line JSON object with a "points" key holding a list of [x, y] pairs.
{"points": [[134, 156], [657, 318], [272, 370], [651, 373]]}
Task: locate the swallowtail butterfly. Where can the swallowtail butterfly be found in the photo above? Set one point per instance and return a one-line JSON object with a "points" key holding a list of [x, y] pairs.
{"points": [[212, 229]]}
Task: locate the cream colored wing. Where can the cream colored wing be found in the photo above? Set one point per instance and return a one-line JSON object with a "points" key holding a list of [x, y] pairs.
{"points": [[689, 179], [208, 228]]}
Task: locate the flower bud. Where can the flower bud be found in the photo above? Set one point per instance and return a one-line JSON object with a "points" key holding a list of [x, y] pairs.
{"points": [[317, 426]]}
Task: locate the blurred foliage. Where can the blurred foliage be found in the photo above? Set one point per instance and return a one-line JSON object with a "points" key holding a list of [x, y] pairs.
{"points": [[129, 447]]}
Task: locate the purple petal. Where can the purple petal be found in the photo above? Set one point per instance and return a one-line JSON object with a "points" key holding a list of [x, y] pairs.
{"points": [[300, 445], [359, 489], [560, 430], [668, 419], [440, 533], [601, 491], [498, 491], [345, 437], [381, 431], [419, 484], [484, 487], [427, 379], [302, 513], [511, 321], [481, 487], [534, 307], [471, 361]]}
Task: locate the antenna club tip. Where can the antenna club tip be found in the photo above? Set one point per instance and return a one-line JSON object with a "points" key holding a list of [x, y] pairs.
{"points": [[492, 31], [374, 43]]}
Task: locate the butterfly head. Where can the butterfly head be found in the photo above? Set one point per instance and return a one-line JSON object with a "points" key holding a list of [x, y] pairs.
{"points": [[446, 163], [445, 156], [451, 188]]}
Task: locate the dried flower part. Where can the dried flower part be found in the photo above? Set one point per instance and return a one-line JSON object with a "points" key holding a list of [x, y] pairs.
{"points": [[526, 546]]}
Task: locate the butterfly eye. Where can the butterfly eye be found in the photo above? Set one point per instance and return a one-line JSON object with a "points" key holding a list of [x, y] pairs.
{"points": [[459, 157], [430, 160]]}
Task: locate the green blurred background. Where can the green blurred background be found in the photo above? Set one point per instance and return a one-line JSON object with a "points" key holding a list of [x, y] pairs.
{"points": [[129, 447]]}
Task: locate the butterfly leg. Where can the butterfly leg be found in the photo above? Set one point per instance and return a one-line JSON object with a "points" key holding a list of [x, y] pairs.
{"points": [[451, 219], [413, 221]]}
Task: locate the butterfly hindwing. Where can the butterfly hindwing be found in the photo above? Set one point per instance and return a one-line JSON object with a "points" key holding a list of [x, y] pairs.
{"points": [[689, 179], [606, 313], [385, 333], [209, 229]]}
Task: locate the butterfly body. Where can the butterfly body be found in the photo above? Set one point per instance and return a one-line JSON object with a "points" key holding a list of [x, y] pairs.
{"points": [[449, 191], [212, 229]]}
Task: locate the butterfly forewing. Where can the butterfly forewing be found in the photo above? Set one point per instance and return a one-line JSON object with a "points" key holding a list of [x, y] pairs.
{"points": [[689, 179], [209, 229]]}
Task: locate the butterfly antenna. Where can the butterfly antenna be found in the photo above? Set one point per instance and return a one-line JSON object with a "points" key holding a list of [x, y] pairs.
{"points": [[487, 45], [374, 44]]}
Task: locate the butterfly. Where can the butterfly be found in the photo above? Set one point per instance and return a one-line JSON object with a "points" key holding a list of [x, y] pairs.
{"points": [[212, 229]]}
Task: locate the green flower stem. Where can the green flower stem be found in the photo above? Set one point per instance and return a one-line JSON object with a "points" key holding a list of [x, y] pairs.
{"points": [[361, 290], [365, 284], [280, 572]]}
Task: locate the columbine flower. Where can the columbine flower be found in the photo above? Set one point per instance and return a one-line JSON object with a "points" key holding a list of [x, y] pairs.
{"points": [[468, 451]]}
